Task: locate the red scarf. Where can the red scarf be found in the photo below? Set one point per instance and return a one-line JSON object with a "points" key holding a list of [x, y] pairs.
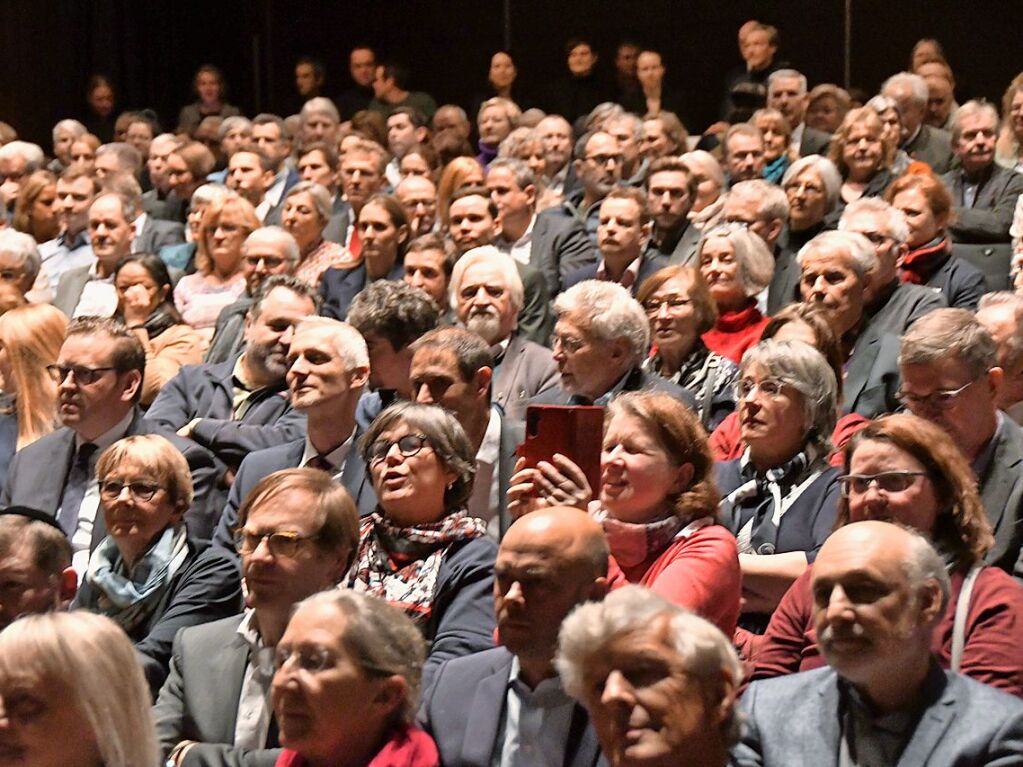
{"points": [[407, 747], [919, 265]]}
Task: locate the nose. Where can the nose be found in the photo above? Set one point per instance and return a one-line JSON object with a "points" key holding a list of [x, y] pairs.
{"points": [[617, 690], [423, 396], [838, 604], [662, 311], [514, 592], [288, 335]]}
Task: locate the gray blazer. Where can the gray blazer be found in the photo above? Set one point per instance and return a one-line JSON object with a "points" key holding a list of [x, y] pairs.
{"points": [[559, 247], [932, 146], [525, 370], [814, 142], [793, 720], [990, 216], [784, 286], [1001, 492], [157, 234], [69, 289]]}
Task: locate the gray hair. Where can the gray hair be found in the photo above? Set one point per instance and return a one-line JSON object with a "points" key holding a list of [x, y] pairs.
{"points": [[490, 255], [1011, 351], [601, 114], [607, 311], [805, 369], [231, 123], [393, 311], [772, 203], [320, 197], [636, 120], [907, 81], [707, 162], [923, 563], [894, 219], [881, 103], [787, 74], [32, 154], [347, 341], [949, 333], [127, 188], [96, 662], [447, 438], [859, 251], [740, 129], [519, 169], [210, 193], [754, 260], [972, 108], [827, 171], [320, 105], [513, 143], [128, 209], [706, 653], [128, 157], [382, 640], [73, 127], [23, 247], [273, 235]]}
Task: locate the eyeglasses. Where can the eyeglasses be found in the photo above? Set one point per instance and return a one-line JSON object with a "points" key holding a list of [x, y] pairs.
{"points": [[886, 481], [83, 375], [110, 489], [408, 446], [569, 344], [10, 275], [280, 544], [604, 159], [942, 399], [311, 659], [772, 388], [270, 262], [674, 304]]}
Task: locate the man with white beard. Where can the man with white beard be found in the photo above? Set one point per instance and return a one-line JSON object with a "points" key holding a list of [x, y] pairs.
{"points": [[486, 293]]}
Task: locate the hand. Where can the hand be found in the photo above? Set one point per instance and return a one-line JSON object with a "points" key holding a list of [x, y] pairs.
{"points": [[719, 127], [135, 305], [561, 483], [186, 430]]}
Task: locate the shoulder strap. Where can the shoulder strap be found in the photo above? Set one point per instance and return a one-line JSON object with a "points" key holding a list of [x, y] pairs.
{"points": [[959, 625]]}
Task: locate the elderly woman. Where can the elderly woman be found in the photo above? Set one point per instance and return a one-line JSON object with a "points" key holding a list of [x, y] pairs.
{"points": [[73, 694], [781, 495], [347, 685], [147, 574], [420, 549], [710, 181], [826, 107], [658, 682], [21, 267], [927, 205], [736, 265], [1009, 150], [777, 133], [219, 279], [34, 212], [182, 255], [144, 305], [307, 211], [887, 109], [906, 470], [656, 502], [862, 155], [680, 309], [457, 174], [812, 185], [497, 118]]}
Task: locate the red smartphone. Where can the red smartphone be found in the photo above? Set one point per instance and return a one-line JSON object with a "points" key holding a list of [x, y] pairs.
{"points": [[574, 431]]}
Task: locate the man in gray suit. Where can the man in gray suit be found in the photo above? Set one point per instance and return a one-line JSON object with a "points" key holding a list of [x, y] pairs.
{"points": [[787, 92], [919, 140], [879, 591], [487, 293], [950, 376], [298, 535]]}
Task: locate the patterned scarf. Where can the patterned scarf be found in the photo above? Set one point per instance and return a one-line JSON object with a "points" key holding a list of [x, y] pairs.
{"points": [[401, 564], [632, 543], [701, 368], [919, 265]]}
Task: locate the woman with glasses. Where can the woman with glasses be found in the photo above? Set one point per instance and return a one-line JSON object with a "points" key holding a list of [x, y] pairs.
{"points": [[145, 572], [780, 497], [345, 692], [736, 265], [680, 309], [144, 288], [420, 550], [906, 470]]}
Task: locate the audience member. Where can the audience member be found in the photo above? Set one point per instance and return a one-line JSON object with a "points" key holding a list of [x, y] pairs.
{"points": [[763, 208], [919, 140], [1001, 315], [71, 248], [307, 211], [35, 210], [210, 88], [390, 92], [362, 68], [35, 565], [826, 107], [21, 269], [743, 150], [429, 261], [787, 92], [671, 193], [777, 133]]}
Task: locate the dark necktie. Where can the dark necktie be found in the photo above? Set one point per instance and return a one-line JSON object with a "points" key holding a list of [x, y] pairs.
{"points": [[319, 462], [74, 488]]}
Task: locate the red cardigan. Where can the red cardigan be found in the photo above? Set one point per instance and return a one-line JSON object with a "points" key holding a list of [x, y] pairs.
{"points": [[736, 332], [699, 572], [993, 652]]}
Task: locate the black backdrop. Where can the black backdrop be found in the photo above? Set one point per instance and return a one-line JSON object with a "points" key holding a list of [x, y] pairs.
{"points": [[150, 48]]}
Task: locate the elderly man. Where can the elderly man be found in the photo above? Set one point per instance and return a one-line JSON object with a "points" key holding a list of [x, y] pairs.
{"points": [[598, 168], [787, 92], [941, 101], [65, 133], [429, 261], [671, 192], [556, 134], [297, 535], [18, 160], [272, 137], [600, 341], [320, 121], [487, 294], [117, 158], [555, 245], [99, 374], [35, 565], [20, 266], [984, 194], [636, 662], [155, 200], [622, 237], [919, 140], [76, 190], [743, 149], [268, 251], [950, 376], [453, 368], [879, 591], [764, 208], [418, 196], [507, 705], [328, 370], [237, 406], [1001, 314]]}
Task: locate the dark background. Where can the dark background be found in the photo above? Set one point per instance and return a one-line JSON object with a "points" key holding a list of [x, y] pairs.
{"points": [[151, 48]]}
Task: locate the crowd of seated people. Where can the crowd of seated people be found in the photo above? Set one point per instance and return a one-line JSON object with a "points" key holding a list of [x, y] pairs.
{"points": [[529, 431]]}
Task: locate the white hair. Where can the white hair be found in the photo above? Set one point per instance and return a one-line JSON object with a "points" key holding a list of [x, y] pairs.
{"points": [[488, 254], [971, 108], [770, 198], [320, 197], [754, 262], [706, 162], [786, 74], [31, 153], [894, 219], [320, 105], [915, 85], [347, 341], [73, 127], [608, 311], [272, 235], [22, 247], [827, 171], [860, 252]]}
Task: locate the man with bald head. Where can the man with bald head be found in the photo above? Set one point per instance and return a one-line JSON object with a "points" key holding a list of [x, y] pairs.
{"points": [[879, 591], [506, 705]]}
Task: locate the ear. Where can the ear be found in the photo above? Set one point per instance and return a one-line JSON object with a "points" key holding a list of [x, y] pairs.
{"points": [[995, 377], [132, 383], [482, 381], [390, 694], [775, 229], [930, 603], [729, 690], [403, 233], [578, 165], [598, 590], [268, 178], [647, 230], [163, 293], [67, 588], [530, 192], [421, 134], [683, 478], [358, 377], [620, 349]]}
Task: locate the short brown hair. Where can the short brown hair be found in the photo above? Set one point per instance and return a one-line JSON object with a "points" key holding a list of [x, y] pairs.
{"points": [[637, 196], [699, 293], [162, 461]]}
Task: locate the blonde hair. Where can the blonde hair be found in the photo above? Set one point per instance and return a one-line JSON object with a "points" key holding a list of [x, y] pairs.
{"points": [[229, 204], [96, 662], [33, 335], [163, 462]]}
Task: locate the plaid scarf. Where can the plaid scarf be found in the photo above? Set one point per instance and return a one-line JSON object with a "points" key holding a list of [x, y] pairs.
{"points": [[919, 265], [401, 564]]}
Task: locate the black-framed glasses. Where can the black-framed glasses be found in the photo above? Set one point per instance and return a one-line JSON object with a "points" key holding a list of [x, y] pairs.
{"points": [[942, 399], [282, 543], [270, 262], [83, 375], [886, 481], [408, 446], [674, 304], [111, 489]]}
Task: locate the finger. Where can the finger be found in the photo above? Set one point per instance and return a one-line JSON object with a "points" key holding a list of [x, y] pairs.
{"points": [[570, 469]]}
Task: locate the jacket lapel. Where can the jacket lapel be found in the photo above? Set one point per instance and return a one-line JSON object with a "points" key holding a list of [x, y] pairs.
{"points": [[487, 703], [228, 675], [933, 724], [821, 734]]}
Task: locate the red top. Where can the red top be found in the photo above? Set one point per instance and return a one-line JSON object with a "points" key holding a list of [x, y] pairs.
{"points": [[993, 653], [726, 445], [407, 747], [736, 332], [699, 572]]}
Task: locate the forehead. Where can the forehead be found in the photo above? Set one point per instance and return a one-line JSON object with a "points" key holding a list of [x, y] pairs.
{"points": [[602, 142], [829, 258], [106, 207], [356, 159], [418, 186], [619, 207], [583, 49], [399, 120], [473, 204], [289, 509], [315, 157], [718, 244], [757, 36], [320, 339], [81, 185], [133, 270], [977, 120], [483, 272], [680, 284], [866, 221], [851, 555], [500, 58], [433, 258], [96, 348], [502, 177], [244, 160], [375, 213], [669, 178], [883, 455], [302, 198], [948, 368], [550, 126], [649, 59], [361, 56], [865, 128], [267, 131], [785, 84], [437, 359], [743, 142], [810, 174]]}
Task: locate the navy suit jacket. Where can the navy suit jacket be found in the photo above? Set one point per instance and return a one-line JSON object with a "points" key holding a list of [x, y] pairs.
{"points": [[651, 263], [463, 709], [273, 216], [339, 286]]}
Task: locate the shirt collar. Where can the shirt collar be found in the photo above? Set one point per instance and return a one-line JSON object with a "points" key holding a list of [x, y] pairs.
{"points": [[490, 447], [276, 190], [548, 694], [139, 224], [335, 457], [109, 437]]}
